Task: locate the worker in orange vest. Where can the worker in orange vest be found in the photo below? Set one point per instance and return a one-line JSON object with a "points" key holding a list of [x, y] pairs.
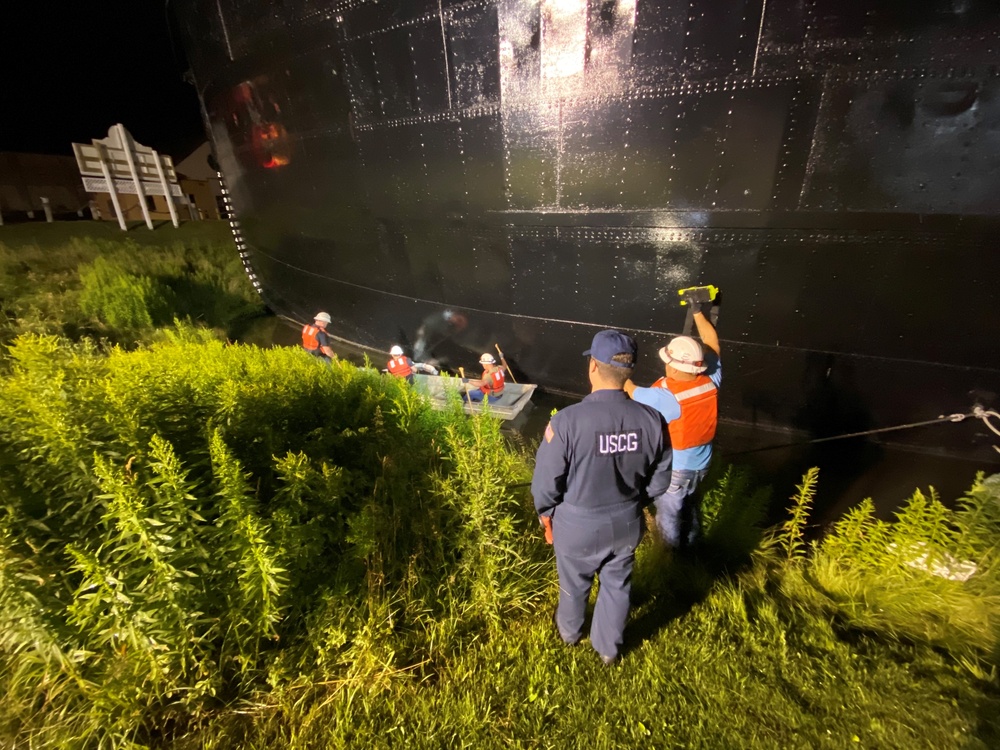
{"points": [[490, 384], [400, 365], [316, 340], [688, 398]]}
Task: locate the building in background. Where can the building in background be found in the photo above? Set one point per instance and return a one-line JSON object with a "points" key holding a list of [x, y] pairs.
{"points": [[200, 182], [39, 187], [25, 179], [201, 195], [128, 181], [196, 173]]}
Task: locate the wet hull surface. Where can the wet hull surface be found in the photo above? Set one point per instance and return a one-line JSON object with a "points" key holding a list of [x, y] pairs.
{"points": [[448, 175]]}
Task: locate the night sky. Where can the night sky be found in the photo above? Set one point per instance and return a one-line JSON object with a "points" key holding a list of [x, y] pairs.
{"points": [[71, 70]]}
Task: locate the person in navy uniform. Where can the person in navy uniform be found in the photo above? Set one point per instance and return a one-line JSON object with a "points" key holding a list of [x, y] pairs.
{"points": [[597, 466]]}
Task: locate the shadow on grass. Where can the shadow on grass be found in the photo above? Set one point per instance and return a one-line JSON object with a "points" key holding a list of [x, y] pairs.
{"points": [[667, 584], [211, 305]]}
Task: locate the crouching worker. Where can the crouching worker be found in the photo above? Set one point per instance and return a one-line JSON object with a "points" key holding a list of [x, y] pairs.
{"points": [[688, 398], [316, 340], [490, 384], [400, 365]]}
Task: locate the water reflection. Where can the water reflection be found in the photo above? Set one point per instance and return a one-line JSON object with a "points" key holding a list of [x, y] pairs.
{"points": [[435, 330]]}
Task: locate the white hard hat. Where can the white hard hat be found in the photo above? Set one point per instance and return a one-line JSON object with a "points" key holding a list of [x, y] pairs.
{"points": [[322, 317], [487, 359], [685, 354], [396, 351]]}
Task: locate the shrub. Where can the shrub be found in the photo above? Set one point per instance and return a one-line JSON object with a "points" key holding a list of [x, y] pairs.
{"points": [[120, 299], [930, 577], [133, 282], [187, 524]]}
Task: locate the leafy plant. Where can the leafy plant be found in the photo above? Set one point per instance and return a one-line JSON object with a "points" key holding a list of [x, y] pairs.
{"points": [[120, 299], [197, 522], [929, 577], [793, 530]]}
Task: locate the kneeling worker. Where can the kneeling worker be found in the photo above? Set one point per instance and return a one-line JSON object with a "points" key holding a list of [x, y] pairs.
{"points": [[401, 366], [316, 340], [492, 382], [688, 398]]}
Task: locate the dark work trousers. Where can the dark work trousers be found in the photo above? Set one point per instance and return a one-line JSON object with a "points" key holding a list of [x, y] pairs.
{"points": [[601, 542]]}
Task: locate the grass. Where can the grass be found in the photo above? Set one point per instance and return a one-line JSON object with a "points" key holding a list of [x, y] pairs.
{"points": [[59, 234], [214, 546], [222, 546], [724, 675], [88, 279], [745, 659]]}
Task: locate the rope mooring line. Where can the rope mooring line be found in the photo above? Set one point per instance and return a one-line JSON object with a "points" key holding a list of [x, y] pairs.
{"points": [[985, 415], [977, 412]]}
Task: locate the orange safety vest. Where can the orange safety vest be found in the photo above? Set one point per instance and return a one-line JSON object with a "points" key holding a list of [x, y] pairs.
{"points": [[309, 338], [699, 400], [400, 367], [493, 382]]}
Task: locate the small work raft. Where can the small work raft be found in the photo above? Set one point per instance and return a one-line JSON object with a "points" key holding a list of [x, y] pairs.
{"points": [[510, 403]]}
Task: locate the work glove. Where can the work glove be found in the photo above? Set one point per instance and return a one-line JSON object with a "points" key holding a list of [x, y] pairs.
{"points": [[696, 297], [546, 522]]}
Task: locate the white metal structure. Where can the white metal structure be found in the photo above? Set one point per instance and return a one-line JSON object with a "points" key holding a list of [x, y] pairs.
{"points": [[118, 165]]}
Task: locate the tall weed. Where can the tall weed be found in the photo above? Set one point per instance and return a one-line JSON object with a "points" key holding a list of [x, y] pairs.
{"points": [[192, 523], [929, 577], [120, 299], [85, 284]]}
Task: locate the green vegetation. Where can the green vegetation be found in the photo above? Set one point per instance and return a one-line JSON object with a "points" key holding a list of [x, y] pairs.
{"points": [[87, 279], [214, 546], [189, 523], [218, 546]]}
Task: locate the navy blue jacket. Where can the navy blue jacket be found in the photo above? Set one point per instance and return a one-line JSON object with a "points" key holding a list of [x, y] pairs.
{"points": [[605, 452]]}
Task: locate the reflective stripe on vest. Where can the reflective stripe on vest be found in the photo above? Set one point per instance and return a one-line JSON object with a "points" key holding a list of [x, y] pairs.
{"points": [[309, 338], [696, 391], [493, 382], [399, 367], [699, 400]]}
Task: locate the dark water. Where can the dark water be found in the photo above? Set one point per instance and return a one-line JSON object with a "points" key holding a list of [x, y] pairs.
{"points": [[850, 470]]}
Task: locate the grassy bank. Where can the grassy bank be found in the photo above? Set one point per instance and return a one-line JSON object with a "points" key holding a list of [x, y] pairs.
{"points": [[88, 279], [187, 525], [214, 546], [221, 546]]}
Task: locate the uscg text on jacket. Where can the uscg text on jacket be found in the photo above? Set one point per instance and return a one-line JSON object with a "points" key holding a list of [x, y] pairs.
{"points": [[618, 442]]}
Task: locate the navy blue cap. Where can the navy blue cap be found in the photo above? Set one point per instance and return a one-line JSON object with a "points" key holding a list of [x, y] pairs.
{"points": [[607, 344]]}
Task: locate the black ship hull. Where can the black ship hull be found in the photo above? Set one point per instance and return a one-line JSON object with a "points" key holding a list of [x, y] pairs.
{"points": [[448, 175]]}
